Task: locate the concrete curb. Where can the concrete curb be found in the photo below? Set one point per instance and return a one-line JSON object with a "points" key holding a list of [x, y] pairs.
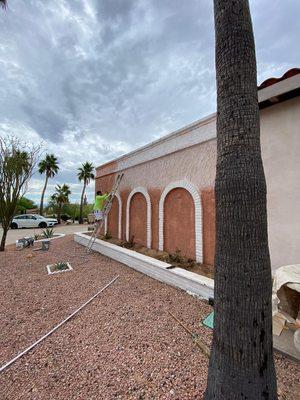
{"points": [[178, 277]]}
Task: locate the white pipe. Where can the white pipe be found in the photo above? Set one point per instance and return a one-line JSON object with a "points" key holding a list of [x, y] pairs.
{"points": [[56, 327]]}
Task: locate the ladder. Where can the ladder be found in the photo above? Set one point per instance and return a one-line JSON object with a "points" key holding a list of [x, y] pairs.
{"points": [[106, 209]]}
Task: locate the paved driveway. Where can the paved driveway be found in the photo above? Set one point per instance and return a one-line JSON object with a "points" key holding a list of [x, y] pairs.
{"points": [[15, 234]]}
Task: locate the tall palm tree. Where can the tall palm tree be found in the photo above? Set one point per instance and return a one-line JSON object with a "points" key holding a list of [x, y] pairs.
{"points": [[85, 174], [48, 166], [241, 363], [61, 197]]}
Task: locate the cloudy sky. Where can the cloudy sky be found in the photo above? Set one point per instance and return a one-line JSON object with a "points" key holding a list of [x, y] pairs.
{"points": [[94, 79]]}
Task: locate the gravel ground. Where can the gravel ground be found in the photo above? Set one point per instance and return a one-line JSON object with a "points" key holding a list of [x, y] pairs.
{"points": [[124, 345]]}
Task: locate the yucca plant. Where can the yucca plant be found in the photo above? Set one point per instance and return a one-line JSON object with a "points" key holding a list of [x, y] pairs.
{"points": [[61, 266], [48, 232]]}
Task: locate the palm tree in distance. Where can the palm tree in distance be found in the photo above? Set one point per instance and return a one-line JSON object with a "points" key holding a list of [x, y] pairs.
{"points": [[48, 166], [61, 197], [85, 174], [3, 3], [241, 363]]}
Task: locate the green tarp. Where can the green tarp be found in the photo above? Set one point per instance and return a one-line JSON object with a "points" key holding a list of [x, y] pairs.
{"points": [[209, 321]]}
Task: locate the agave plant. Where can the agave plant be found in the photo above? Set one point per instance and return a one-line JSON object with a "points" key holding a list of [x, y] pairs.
{"points": [[61, 266], [48, 232]]}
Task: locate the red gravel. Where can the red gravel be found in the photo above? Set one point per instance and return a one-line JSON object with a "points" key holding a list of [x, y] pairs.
{"points": [[123, 345]]}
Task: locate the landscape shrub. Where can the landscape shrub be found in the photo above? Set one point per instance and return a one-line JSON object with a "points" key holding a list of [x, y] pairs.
{"points": [[65, 217]]}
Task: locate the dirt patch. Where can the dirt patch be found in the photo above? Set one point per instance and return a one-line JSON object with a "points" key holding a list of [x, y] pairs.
{"points": [[175, 259]]}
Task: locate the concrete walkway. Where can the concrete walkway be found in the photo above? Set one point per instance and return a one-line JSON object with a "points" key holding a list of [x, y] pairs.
{"points": [[15, 234]]}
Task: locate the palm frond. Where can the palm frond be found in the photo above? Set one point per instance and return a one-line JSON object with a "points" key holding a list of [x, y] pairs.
{"points": [[85, 172], [49, 165]]}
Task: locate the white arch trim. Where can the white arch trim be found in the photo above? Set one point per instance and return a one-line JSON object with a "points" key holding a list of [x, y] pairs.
{"points": [[198, 214], [117, 195], [148, 202]]}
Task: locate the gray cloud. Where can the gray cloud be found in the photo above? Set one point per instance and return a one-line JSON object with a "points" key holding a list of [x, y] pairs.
{"points": [[97, 78]]}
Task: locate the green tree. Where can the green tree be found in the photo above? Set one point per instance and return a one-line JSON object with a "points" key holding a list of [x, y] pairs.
{"points": [[60, 197], [85, 174], [241, 363], [17, 162], [49, 167], [24, 204]]}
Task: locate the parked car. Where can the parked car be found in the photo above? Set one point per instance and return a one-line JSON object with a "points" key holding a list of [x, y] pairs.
{"points": [[32, 221]]}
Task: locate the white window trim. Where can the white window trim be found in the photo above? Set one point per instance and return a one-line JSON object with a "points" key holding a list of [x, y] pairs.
{"points": [[198, 215], [148, 202], [117, 195]]}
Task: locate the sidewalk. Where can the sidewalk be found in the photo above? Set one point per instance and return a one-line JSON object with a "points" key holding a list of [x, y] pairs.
{"points": [[15, 234]]}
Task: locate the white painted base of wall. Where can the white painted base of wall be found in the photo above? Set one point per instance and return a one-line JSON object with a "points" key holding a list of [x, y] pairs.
{"points": [[57, 236], [178, 277]]}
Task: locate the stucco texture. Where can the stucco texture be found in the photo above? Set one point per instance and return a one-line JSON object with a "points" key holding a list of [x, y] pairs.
{"points": [[113, 219], [138, 219], [195, 164], [280, 140], [179, 223]]}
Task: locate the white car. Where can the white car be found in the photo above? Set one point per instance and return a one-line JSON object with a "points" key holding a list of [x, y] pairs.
{"points": [[32, 221]]}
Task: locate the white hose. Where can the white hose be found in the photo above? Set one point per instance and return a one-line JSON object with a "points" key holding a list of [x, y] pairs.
{"points": [[56, 327]]}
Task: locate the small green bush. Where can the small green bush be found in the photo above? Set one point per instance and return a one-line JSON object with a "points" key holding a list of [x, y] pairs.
{"points": [[128, 244], [61, 266], [176, 257], [65, 217], [48, 232]]}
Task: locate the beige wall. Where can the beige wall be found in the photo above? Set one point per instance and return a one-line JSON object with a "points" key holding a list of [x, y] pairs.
{"points": [[196, 164], [280, 139]]}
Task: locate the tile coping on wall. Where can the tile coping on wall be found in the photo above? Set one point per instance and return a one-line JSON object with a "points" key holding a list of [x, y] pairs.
{"points": [[189, 281]]}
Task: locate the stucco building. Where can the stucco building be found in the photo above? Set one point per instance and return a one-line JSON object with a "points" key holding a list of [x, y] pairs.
{"points": [[166, 199]]}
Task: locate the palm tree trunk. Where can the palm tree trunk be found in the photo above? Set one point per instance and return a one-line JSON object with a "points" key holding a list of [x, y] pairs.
{"points": [[241, 363], [3, 239], [43, 194], [81, 203], [59, 213]]}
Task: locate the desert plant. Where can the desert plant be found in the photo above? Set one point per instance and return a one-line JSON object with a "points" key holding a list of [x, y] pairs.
{"points": [[176, 257], [128, 244], [24, 204], [48, 232], [17, 162], [65, 217], [107, 236], [61, 266]]}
